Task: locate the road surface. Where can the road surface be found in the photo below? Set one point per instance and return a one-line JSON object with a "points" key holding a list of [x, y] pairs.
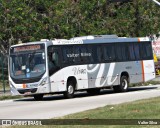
{"points": [[56, 106]]}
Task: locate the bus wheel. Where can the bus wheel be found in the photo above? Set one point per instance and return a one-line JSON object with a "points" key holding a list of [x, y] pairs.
{"points": [[70, 90], [123, 87], [38, 97], [94, 91]]}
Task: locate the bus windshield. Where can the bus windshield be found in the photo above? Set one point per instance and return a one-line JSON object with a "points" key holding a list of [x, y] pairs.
{"points": [[25, 64]]}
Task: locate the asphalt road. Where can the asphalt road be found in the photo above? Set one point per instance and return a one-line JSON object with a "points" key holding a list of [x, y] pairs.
{"points": [[56, 105]]}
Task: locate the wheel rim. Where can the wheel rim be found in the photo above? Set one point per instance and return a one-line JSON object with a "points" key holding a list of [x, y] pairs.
{"points": [[70, 89], [125, 84]]}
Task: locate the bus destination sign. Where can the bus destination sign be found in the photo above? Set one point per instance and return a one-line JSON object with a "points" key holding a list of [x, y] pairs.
{"points": [[27, 48]]}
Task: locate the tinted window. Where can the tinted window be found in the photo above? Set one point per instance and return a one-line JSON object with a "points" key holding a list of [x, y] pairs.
{"points": [[109, 53], [77, 54], [131, 52], [146, 50], [124, 51], [137, 51], [91, 51], [84, 54], [121, 52], [53, 59], [67, 54], [99, 54]]}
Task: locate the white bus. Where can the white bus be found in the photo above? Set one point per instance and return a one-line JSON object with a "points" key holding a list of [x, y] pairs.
{"points": [[88, 63]]}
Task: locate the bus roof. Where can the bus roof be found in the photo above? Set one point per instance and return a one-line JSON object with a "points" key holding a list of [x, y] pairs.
{"points": [[96, 39]]}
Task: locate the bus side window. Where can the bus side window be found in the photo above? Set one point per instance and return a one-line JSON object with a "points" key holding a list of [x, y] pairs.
{"points": [[64, 54], [99, 54], [125, 52], [122, 52], [67, 54], [109, 53], [146, 51], [55, 58], [106, 53], [112, 53], [91, 56], [76, 52], [131, 52], [119, 52], [84, 56], [149, 52], [137, 51]]}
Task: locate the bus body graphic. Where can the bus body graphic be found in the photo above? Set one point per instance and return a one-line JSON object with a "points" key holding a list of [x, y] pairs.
{"points": [[86, 63]]}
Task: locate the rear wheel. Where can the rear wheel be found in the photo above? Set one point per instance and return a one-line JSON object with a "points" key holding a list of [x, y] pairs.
{"points": [[38, 97], [70, 90], [123, 87]]}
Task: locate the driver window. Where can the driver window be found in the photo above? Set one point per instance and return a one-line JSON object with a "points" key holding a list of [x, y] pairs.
{"points": [[55, 58], [53, 61]]}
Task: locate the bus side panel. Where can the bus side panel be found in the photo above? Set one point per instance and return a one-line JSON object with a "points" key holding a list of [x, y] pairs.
{"points": [[101, 75], [59, 79], [134, 69], [108, 74], [79, 72], [149, 70], [57, 82]]}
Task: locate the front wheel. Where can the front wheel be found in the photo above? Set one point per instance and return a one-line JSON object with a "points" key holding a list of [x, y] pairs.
{"points": [[123, 87], [70, 90]]}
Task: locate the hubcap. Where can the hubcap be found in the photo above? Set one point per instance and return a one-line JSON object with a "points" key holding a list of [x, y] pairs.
{"points": [[124, 84], [70, 89]]}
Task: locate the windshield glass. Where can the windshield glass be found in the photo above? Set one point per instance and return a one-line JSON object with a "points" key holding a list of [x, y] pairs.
{"points": [[27, 63]]}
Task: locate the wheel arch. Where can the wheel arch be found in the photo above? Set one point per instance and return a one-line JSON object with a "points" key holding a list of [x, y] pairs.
{"points": [[74, 80], [125, 74], [122, 87]]}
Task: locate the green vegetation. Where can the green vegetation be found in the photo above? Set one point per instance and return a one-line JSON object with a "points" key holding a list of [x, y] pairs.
{"points": [[6, 97], [6, 84], [31, 20], [145, 83], [143, 109]]}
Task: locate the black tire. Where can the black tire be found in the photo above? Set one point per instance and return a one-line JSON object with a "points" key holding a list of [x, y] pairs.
{"points": [[123, 87], [94, 91], [38, 97], [70, 90]]}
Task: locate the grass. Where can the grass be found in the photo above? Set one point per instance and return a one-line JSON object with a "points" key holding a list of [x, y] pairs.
{"points": [[6, 84], [145, 84], [7, 97], [143, 109]]}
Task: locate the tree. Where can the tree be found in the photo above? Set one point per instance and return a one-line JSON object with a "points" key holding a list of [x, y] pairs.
{"points": [[32, 20]]}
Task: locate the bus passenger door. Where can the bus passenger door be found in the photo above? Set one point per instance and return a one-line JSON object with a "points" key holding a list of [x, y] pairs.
{"points": [[54, 65]]}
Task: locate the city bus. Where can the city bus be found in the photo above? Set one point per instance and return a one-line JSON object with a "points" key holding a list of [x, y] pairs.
{"points": [[88, 63]]}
